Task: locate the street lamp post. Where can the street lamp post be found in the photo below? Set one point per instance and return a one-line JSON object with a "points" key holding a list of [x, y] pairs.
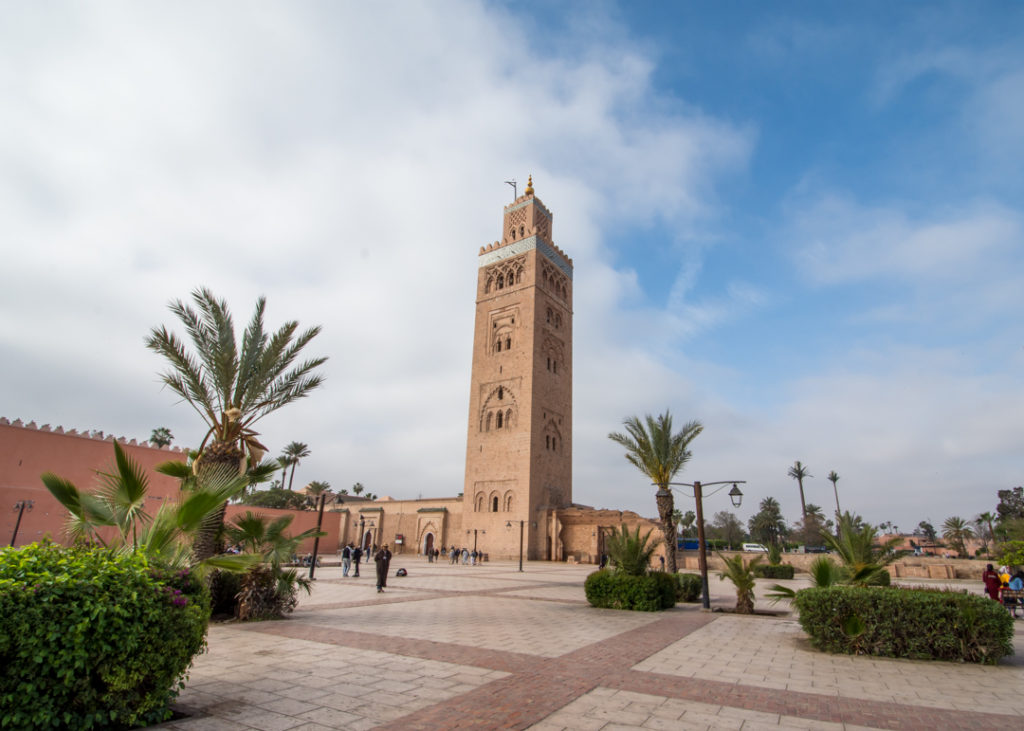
{"points": [[20, 506], [702, 557], [482, 532], [521, 524]]}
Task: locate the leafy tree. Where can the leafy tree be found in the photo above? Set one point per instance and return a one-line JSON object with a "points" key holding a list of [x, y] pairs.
{"points": [[767, 525], [231, 388], [630, 553], [928, 530], [161, 437], [1011, 504], [798, 472], [296, 452], [120, 504], [986, 529], [742, 576], [660, 454], [957, 531], [813, 526], [276, 498], [727, 527]]}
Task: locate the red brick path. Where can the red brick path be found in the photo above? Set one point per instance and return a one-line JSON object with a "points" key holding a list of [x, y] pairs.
{"points": [[537, 686]]}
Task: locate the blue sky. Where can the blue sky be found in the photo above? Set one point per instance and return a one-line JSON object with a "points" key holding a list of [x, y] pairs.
{"points": [[798, 223]]}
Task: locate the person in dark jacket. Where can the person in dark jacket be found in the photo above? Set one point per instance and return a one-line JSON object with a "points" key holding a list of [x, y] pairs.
{"points": [[383, 560], [357, 553]]}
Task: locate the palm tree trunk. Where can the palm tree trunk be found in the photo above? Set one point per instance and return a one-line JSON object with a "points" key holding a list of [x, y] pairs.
{"points": [[221, 460], [665, 507], [803, 503], [292, 478]]}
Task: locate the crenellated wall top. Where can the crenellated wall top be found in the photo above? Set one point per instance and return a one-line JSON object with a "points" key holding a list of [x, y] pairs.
{"points": [[95, 434]]}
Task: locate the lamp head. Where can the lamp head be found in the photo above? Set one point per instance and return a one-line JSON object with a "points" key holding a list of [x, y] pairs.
{"points": [[735, 495]]}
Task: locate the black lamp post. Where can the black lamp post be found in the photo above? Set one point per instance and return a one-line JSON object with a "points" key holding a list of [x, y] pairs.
{"points": [[522, 523], [702, 557], [475, 530], [21, 506]]}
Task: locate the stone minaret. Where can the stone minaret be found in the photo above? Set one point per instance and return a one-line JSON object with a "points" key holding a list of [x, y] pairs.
{"points": [[519, 444]]}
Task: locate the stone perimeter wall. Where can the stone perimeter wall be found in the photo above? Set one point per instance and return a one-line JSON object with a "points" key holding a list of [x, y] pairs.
{"points": [[921, 567]]}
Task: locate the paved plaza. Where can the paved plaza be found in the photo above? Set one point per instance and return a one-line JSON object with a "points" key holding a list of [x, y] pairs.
{"points": [[452, 647]]}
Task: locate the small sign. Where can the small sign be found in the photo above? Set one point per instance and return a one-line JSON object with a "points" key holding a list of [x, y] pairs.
{"points": [[399, 539]]}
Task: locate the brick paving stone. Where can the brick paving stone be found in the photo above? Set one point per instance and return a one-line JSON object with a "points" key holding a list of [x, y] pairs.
{"points": [[487, 647]]}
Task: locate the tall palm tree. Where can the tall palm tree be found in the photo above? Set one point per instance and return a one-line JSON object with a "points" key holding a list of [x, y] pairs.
{"points": [[358, 488], [833, 477], [798, 472], [295, 451], [231, 388], [657, 452], [957, 531], [284, 462]]}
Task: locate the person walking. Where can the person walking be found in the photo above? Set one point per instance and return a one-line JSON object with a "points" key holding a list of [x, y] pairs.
{"points": [[346, 559], [357, 553], [991, 581], [383, 560]]}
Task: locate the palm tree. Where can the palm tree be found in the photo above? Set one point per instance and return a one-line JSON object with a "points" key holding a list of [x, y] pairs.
{"points": [[742, 577], [630, 553], [798, 472], [833, 477], [284, 462], [358, 488], [659, 454], [295, 451], [863, 561], [232, 389], [984, 522], [316, 487], [956, 531], [163, 537], [161, 436]]}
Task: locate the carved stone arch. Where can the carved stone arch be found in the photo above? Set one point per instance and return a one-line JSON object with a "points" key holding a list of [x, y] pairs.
{"points": [[493, 501], [426, 528], [508, 501], [480, 502]]}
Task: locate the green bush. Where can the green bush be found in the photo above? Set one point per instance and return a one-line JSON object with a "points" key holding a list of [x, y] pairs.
{"points": [[93, 639], [650, 593], [910, 623], [780, 571], [1011, 553], [688, 588]]}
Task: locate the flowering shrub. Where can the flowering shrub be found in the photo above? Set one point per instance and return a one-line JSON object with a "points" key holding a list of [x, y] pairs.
{"points": [[90, 638]]}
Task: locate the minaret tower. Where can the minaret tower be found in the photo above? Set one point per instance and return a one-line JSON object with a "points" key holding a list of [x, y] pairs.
{"points": [[519, 444]]}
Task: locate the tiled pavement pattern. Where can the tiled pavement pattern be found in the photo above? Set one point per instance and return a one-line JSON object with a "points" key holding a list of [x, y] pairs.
{"points": [[489, 647]]}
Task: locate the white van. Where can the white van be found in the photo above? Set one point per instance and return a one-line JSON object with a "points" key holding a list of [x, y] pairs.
{"points": [[754, 548]]}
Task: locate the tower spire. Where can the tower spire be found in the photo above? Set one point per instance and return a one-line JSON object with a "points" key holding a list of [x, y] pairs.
{"points": [[529, 186]]}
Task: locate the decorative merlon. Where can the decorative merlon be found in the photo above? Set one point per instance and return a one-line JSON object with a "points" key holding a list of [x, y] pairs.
{"points": [[86, 434]]}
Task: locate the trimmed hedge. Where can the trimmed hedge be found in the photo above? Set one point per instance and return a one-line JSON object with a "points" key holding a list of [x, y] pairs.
{"points": [[910, 623], [780, 571], [689, 587], [93, 639], [651, 593]]}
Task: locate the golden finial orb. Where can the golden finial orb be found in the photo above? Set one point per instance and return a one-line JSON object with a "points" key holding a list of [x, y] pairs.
{"points": [[529, 186]]}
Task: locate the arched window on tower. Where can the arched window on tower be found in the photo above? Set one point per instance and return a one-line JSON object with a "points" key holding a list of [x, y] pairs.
{"points": [[488, 422], [501, 281], [547, 441], [501, 392], [549, 362], [508, 503], [497, 346], [508, 419], [480, 503], [498, 421], [508, 343], [494, 504], [554, 366], [550, 313]]}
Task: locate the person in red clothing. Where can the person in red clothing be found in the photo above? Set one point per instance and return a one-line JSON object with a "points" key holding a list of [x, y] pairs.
{"points": [[992, 582]]}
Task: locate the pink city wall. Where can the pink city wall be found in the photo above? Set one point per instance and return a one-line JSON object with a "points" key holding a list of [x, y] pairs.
{"points": [[28, 450]]}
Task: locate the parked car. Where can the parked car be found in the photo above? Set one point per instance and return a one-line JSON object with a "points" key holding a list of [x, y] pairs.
{"points": [[815, 549], [754, 548]]}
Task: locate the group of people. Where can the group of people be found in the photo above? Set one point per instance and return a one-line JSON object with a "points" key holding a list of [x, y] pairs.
{"points": [[998, 582], [351, 555], [454, 554]]}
